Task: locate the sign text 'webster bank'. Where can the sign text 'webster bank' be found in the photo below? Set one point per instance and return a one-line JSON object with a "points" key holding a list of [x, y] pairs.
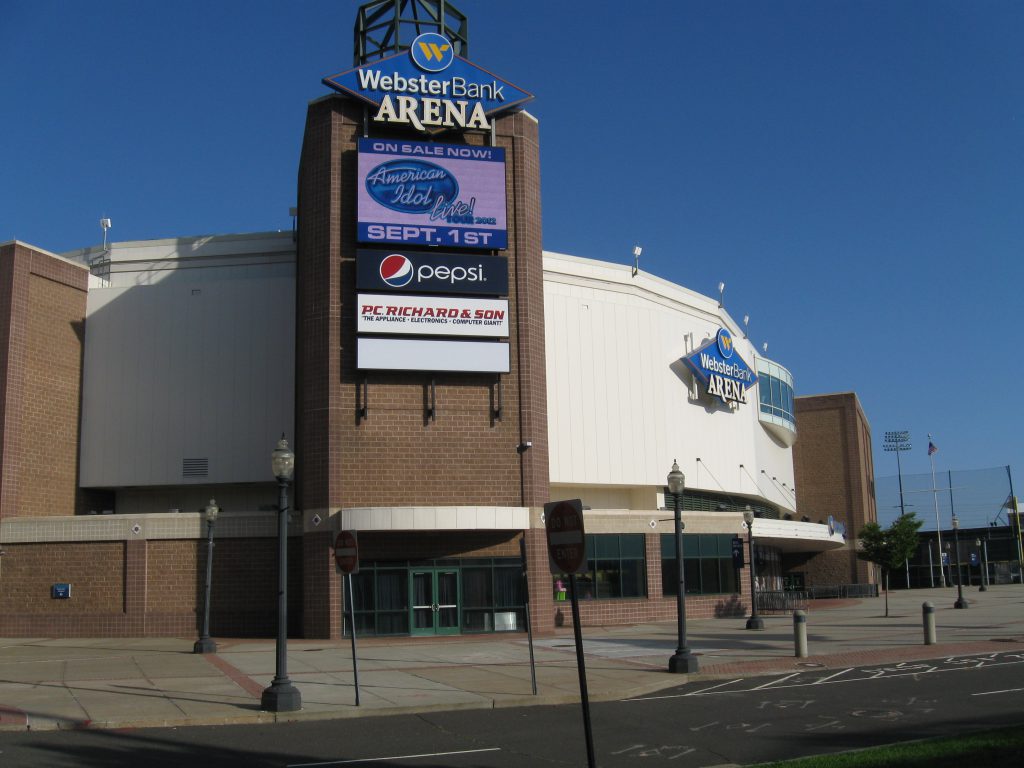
{"points": [[429, 88]]}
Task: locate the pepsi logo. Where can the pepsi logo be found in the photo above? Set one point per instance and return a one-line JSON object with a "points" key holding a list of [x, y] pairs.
{"points": [[396, 270]]}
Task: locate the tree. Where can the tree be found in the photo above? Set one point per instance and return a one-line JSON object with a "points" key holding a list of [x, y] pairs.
{"points": [[889, 548]]}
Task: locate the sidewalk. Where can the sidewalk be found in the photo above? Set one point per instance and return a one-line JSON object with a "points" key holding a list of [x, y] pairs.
{"points": [[118, 682]]}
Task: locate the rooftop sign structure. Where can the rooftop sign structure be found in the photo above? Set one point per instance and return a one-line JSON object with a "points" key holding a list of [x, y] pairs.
{"points": [[429, 88]]}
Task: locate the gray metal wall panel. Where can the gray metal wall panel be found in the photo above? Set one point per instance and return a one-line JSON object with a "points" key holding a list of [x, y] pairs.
{"points": [[188, 367]]}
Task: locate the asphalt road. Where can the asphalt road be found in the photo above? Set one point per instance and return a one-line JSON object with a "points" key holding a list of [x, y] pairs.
{"points": [[709, 723]]}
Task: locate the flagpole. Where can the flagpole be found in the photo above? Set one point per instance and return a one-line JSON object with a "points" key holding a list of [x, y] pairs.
{"points": [[1016, 510], [935, 498]]}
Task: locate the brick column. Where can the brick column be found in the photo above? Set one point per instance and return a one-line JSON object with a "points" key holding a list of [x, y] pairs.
{"points": [[135, 587], [322, 587]]}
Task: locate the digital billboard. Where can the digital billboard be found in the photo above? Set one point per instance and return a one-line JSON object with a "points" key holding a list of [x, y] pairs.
{"points": [[420, 193]]}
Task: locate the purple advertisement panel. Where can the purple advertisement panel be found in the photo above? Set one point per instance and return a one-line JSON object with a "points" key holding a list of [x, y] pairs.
{"points": [[420, 193]]}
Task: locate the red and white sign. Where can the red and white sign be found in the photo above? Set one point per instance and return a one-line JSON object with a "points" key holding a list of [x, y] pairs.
{"points": [[432, 315], [563, 522], [346, 552]]}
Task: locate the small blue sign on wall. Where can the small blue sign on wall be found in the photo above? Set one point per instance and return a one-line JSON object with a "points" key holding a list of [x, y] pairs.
{"points": [[737, 552], [60, 591]]}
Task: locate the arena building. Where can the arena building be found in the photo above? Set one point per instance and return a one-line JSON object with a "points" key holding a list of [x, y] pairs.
{"points": [[440, 377]]}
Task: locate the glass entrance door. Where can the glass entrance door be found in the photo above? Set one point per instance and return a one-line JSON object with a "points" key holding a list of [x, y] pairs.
{"points": [[434, 605]]}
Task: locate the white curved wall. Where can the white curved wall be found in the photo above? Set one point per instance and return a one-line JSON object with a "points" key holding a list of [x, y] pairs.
{"points": [[621, 405]]}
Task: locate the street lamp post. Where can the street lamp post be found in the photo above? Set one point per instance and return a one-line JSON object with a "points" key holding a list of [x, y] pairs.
{"points": [[982, 544], [682, 661], [282, 696], [204, 644], [755, 621], [960, 602]]}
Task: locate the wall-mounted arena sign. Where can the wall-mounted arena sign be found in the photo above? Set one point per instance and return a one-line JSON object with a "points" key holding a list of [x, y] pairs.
{"points": [[419, 193], [429, 88], [725, 374]]}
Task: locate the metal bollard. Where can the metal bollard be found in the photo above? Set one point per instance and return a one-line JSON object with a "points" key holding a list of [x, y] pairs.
{"points": [[800, 634], [928, 617]]}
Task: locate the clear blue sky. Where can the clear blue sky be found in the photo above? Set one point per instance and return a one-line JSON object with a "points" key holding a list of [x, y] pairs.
{"points": [[852, 169]]}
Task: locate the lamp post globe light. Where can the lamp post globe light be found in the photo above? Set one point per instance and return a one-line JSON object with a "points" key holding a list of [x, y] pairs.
{"points": [[755, 621], [282, 696], [204, 644], [682, 661], [960, 602]]}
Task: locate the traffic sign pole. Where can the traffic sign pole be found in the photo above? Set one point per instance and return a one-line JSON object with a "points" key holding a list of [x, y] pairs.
{"points": [[581, 668], [346, 555], [352, 633], [567, 549]]}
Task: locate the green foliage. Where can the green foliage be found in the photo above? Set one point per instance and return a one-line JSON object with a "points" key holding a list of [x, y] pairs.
{"points": [[891, 547], [998, 747]]}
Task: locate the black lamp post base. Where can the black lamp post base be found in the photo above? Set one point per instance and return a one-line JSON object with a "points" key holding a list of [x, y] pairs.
{"points": [[983, 588], [960, 603], [755, 622], [281, 696], [684, 663], [204, 645]]}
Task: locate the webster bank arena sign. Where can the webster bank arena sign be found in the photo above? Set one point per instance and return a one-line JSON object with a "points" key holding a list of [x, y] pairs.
{"points": [[429, 88], [725, 374]]}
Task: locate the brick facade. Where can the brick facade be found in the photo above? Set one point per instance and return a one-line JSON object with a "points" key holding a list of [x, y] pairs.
{"points": [[834, 475], [140, 588], [396, 455], [42, 333]]}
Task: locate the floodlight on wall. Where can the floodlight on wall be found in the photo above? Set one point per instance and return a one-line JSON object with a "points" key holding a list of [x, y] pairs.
{"points": [[746, 322], [721, 295], [637, 250], [765, 347], [105, 225]]}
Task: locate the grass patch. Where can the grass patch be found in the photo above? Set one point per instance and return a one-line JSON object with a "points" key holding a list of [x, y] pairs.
{"points": [[1002, 747]]}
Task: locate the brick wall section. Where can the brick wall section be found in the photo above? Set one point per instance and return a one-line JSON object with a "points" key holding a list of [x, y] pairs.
{"points": [[322, 587], [142, 588], [42, 319], [834, 475], [95, 571]]}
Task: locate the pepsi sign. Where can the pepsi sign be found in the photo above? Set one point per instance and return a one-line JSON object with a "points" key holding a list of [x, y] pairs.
{"points": [[724, 373], [431, 272]]}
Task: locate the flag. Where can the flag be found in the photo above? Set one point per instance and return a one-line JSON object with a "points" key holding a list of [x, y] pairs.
{"points": [[931, 448]]}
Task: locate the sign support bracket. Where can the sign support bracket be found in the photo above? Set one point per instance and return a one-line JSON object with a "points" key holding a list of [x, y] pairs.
{"points": [[498, 398], [361, 404], [432, 404]]}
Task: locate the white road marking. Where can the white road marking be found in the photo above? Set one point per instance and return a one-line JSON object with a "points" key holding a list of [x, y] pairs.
{"points": [[989, 693], [837, 674], [773, 682], [682, 695], [395, 757]]}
